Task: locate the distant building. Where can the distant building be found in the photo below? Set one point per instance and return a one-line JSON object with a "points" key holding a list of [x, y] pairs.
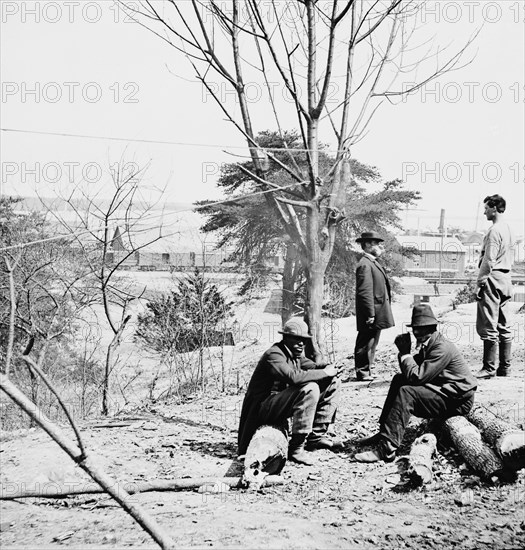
{"points": [[432, 255]]}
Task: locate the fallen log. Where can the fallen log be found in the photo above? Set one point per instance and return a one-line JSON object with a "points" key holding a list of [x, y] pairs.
{"points": [[507, 440], [467, 440], [11, 490], [419, 460], [266, 455]]}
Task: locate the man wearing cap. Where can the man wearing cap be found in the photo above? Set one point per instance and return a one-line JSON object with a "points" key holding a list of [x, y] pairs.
{"points": [[286, 384], [434, 383], [494, 291], [372, 304]]}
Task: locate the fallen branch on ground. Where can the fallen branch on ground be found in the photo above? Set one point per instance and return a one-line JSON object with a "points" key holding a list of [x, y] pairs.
{"points": [[9, 491], [106, 483]]}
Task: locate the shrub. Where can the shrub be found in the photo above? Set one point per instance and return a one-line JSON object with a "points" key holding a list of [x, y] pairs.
{"points": [[188, 318], [465, 295]]}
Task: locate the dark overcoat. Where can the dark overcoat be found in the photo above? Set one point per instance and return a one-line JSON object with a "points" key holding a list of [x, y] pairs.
{"points": [[372, 295], [439, 366], [277, 369]]}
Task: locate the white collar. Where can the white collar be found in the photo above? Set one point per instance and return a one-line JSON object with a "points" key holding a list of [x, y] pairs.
{"points": [[424, 344]]}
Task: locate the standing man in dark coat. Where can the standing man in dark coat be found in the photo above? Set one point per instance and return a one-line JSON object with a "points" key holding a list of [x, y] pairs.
{"points": [[434, 383], [372, 302], [287, 384]]}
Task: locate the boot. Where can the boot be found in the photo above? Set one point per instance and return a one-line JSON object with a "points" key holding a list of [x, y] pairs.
{"points": [[296, 452], [504, 358], [318, 438], [385, 451], [490, 349], [369, 440]]}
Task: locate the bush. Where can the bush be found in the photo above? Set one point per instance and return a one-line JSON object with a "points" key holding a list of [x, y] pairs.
{"points": [[188, 318], [465, 295]]}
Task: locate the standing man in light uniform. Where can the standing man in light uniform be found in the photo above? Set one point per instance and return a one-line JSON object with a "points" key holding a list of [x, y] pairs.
{"points": [[372, 304], [494, 290]]}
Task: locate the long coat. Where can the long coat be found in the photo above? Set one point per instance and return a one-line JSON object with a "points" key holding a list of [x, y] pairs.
{"points": [[372, 295], [440, 366], [277, 369]]}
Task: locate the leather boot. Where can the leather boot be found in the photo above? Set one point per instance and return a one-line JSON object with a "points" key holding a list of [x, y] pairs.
{"points": [[385, 451], [296, 452], [490, 350], [318, 438], [504, 358], [369, 440]]}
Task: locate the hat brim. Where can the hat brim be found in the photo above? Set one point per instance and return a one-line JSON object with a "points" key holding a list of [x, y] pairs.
{"points": [[360, 240], [298, 336], [429, 324]]}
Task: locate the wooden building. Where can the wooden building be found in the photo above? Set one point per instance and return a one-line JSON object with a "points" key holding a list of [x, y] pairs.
{"points": [[432, 256]]}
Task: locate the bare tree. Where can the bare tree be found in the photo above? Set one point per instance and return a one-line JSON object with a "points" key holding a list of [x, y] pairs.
{"points": [[77, 450], [108, 235], [337, 61]]}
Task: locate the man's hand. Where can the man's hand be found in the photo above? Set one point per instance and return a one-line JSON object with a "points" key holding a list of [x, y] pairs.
{"points": [[333, 370], [370, 321], [479, 292], [403, 343]]}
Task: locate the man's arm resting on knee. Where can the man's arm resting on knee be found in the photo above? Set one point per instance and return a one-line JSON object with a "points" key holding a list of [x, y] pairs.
{"points": [[284, 372]]}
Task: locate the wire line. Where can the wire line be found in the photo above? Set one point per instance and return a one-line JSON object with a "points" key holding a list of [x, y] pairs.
{"points": [[161, 142]]}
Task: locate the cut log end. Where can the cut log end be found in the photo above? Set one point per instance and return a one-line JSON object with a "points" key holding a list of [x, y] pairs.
{"points": [[505, 438], [419, 466], [512, 448]]}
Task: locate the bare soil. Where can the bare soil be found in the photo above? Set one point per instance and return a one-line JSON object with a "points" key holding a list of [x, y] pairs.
{"points": [[337, 503]]}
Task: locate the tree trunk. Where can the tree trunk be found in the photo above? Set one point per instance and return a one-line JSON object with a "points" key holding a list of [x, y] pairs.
{"points": [[289, 282], [467, 440], [420, 458], [314, 305], [507, 440]]}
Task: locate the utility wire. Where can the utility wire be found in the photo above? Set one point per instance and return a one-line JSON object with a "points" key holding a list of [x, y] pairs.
{"points": [[163, 142]]}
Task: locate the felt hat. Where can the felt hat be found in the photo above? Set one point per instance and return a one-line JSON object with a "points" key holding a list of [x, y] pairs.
{"points": [[369, 236], [422, 316], [297, 328]]}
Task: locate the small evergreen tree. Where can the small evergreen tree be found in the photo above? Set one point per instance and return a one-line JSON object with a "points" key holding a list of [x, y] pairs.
{"points": [[186, 319]]}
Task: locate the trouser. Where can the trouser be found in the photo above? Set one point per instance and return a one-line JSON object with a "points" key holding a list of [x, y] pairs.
{"points": [[492, 315], [404, 400], [309, 404], [365, 350]]}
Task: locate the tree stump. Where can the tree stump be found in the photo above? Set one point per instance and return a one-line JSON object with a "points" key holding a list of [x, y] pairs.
{"points": [[507, 440], [467, 440], [419, 463]]}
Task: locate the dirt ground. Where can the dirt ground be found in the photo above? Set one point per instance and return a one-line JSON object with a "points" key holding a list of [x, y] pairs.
{"points": [[337, 503]]}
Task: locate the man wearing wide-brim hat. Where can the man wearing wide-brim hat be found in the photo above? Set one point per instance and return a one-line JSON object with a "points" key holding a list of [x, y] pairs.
{"points": [[372, 304], [434, 383], [286, 384]]}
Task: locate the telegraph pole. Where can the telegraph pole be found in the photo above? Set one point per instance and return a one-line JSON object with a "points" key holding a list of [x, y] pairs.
{"points": [[442, 231]]}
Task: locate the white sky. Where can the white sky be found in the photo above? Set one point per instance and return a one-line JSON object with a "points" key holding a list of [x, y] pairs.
{"points": [[456, 146]]}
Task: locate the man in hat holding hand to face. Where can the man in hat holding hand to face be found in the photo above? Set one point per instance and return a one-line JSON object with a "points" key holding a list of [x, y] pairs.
{"points": [[372, 304], [287, 384], [434, 383]]}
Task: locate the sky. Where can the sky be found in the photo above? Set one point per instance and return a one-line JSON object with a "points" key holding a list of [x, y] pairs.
{"points": [[85, 68]]}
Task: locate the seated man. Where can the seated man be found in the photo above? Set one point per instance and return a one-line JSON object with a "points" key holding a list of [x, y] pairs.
{"points": [[434, 383], [286, 384]]}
